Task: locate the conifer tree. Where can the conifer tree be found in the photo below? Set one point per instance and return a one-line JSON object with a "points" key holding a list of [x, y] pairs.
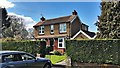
{"points": [[4, 20], [109, 21]]}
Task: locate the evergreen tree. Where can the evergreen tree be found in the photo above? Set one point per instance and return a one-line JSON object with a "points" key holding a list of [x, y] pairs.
{"points": [[109, 21], [4, 20]]}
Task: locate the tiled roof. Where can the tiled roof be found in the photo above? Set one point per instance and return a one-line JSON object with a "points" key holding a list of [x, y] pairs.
{"points": [[56, 20], [91, 34]]}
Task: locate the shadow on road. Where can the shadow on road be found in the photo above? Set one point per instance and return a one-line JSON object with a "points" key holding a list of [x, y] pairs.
{"points": [[58, 66]]}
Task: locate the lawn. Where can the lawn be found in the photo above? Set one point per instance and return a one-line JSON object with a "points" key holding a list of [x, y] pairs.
{"points": [[56, 58]]}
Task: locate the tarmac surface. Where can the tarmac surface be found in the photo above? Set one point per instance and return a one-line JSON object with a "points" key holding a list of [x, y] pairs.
{"points": [[58, 66]]}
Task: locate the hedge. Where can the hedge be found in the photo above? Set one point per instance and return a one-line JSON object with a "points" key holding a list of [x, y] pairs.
{"points": [[94, 51], [27, 46]]}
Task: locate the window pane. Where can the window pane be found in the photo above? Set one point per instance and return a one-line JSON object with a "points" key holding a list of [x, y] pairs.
{"points": [[51, 30], [42, 31], [7, 58], [17, 57], [60, 27], [63, 27], [42, 27], [27, 57], [60, 40], [52, 27], [60, 44], [14, 57]]}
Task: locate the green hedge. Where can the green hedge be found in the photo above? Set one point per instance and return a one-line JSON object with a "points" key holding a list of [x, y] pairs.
{"points": [[27, 46], [94, 51]]}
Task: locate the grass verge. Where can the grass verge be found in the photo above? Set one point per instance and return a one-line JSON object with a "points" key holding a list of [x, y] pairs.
{"points": [[56, 58]]}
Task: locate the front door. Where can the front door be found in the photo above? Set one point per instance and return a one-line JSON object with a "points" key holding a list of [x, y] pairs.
{"points": [[51, 44]]}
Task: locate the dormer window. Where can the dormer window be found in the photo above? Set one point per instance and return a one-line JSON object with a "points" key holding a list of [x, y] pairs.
{"points": [[41, 30], [86, 28], [51, 29], [62, 28]]}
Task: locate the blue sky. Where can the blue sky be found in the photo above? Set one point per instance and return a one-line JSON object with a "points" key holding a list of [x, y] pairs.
{"points": [[87, 11]]}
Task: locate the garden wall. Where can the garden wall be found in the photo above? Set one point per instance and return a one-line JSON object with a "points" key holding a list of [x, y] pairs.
{"points": [[94, 51]]}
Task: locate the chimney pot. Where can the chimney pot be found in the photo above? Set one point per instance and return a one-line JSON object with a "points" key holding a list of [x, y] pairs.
{"points": [[74, 12], [42, 19]]}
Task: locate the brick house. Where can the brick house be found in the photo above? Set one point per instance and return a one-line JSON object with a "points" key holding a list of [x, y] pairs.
{"points": [[56, 31]]}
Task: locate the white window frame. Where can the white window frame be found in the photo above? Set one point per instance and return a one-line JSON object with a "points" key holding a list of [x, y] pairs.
{"points": [[41, 29], [63, 43], [62, 28], [85, 28], [43, 40], [51, 28]]}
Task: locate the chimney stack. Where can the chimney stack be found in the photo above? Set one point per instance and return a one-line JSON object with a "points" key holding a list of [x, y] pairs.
{"points": [[74, 12], [42, 19]]}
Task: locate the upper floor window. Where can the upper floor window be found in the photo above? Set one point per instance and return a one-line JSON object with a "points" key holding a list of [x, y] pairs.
{"points": [[62, 28], [41, 30], [52, 28]]}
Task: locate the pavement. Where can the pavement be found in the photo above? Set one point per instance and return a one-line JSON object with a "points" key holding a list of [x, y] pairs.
{"points": [[62, 63]]}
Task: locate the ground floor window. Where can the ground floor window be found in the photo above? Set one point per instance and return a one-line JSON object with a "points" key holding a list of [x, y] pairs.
{"points": [[42, 39], [61, 43]]}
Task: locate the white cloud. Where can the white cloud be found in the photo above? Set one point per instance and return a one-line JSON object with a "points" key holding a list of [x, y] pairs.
{"points": [[6, 4], [28, 21]]}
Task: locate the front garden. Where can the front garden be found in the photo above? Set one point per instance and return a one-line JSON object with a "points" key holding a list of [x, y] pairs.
{"points": [[81, 51], [33, 47], [56, 58]]}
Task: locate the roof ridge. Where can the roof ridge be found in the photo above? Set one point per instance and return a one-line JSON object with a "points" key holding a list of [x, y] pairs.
{"points": [[88, 31], [56, 20], [58, 17]]}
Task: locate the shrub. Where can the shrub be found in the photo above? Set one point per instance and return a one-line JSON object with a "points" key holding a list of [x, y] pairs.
{"points": [[57, 52], [32, 47], [42, 50], [94, 51], [7, 39], [48, 49]]}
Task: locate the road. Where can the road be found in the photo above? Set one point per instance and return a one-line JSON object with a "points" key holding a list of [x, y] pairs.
{"points": [[58, 66]]}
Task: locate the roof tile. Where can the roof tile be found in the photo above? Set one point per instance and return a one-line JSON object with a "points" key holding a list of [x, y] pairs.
{"points": [[56, 20]]}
